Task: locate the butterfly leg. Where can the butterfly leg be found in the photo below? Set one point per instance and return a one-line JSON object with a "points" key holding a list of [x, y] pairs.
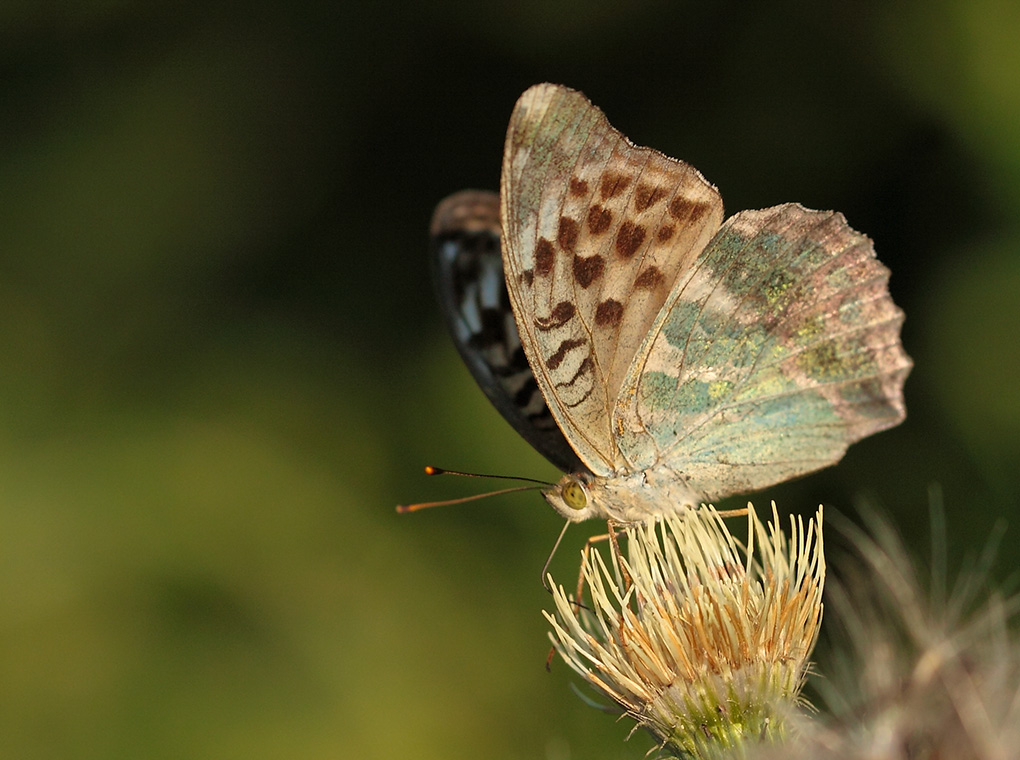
{"points": [[733, 512], [617, 557]]}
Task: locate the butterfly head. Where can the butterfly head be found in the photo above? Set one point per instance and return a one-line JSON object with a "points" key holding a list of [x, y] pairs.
{"points": [[571, 497]]}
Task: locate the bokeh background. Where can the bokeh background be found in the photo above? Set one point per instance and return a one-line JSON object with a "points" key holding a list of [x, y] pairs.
{"points": [[221, 363]]}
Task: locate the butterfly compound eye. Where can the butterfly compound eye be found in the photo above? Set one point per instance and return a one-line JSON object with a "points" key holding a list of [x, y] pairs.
{"points": [[574, 495]]}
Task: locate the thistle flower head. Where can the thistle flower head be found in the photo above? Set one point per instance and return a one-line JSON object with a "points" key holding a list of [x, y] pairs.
{"points": [[913, 674], [700, 638]]}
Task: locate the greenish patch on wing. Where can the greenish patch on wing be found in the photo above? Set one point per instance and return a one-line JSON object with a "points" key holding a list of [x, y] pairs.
{"points": [[837, 360], [767, 383], [757, 432], [681, 320], [731, 352], [719, 389], [779, 290], [660, 393]]}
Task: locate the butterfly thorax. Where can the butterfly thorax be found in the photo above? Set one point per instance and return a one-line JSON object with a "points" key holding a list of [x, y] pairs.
{"points": [[632, 497]]}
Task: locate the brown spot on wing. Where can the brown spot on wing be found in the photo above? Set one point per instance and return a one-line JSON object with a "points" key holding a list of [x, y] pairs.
{"points": [[578, 187], [528, 277], [599, 219], [646, 196], [698, 210], [587, 270], [649, 278], [629, 239], [609, 313], [561, 314], [612, 184], [664, 233], [561, 353], [567, 234], [686, 209], [544, 257]]}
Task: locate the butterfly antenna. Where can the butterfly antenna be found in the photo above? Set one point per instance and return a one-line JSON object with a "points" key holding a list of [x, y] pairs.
{"points": [[430, 470]]}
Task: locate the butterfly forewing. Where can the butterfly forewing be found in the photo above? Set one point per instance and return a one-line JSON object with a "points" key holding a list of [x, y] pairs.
{"points": [[596, 233], [468, 271], [777, 350]]}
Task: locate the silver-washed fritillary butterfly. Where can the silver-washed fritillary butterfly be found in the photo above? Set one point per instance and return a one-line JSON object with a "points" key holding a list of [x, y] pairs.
{"points": [[658, 354]]}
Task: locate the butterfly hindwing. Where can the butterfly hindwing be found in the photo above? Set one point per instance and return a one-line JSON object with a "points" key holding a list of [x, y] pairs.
{"points": [[777, 350], [468, 272], [595, 233]]}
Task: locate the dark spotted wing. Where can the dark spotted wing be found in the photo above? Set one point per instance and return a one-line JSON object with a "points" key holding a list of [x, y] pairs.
{"points": [[468, 271], [595, 233]]}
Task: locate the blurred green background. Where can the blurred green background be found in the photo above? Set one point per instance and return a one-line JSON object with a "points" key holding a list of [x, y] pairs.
{"points": [[221, 364]]}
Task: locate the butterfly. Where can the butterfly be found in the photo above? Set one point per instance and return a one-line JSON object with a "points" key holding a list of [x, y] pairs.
{"points": [[659, 354]]}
